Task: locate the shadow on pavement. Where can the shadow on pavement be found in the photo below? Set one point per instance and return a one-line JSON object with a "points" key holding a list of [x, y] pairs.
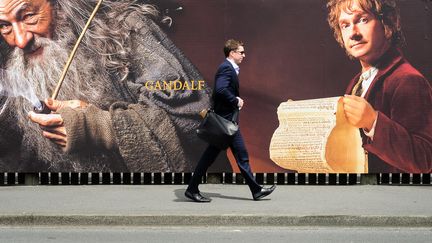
{"points": [[179, 193]]}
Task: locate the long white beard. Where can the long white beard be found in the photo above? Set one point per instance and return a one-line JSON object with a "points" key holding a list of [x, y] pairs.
{"points": [[35, 78]]}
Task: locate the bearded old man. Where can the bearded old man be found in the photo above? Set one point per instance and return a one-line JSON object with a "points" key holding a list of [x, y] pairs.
{"points": [[104, 119]]}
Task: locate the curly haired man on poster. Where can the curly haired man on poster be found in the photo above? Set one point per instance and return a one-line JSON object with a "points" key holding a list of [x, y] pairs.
{"points": [[389, 100]]}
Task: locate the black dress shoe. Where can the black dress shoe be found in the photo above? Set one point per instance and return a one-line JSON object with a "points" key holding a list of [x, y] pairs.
{"points": [[263, 192], [197, 197]]}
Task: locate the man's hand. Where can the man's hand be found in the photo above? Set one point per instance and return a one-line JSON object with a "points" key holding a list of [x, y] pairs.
{"points": [[359, 112], [240, 103], [52, 124]]}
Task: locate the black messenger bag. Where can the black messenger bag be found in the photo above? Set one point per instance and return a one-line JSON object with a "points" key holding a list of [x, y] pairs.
{"points": [[217, 130]]}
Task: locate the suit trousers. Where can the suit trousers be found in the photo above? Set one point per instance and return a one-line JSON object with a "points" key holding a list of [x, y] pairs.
{"points": [[209, 156]]}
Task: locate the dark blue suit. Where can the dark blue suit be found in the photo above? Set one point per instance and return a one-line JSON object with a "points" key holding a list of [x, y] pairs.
{"points": [[225, 103]]}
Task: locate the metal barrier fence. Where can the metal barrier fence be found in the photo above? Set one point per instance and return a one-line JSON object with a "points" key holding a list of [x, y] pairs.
{"points": [[228, 178]]}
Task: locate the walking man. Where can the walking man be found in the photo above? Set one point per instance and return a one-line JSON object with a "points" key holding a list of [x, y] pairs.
{"points": [[226, 100]]}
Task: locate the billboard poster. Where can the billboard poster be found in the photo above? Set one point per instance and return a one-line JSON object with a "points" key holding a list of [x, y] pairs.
{"points": [[131, 98]]}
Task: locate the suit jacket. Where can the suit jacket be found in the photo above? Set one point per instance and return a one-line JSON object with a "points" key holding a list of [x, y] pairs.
{"points": [[226, 90], [403, 134]]}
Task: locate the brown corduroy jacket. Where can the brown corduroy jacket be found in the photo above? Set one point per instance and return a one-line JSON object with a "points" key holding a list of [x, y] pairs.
{"points": [[403, 134]]}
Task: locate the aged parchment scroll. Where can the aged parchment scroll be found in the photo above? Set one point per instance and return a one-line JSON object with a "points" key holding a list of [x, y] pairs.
{"points": [[314, 137]]}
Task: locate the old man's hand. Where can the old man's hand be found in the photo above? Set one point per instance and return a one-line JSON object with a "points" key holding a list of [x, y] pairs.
{"points": [[52, 125]]}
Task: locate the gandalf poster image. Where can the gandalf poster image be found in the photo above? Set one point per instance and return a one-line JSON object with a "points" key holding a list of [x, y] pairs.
{"points": [[104, 119]]}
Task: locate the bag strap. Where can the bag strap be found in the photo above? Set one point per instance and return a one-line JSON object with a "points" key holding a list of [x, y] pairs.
{"points": [[212, 106], [212, 100], [236, 111]]}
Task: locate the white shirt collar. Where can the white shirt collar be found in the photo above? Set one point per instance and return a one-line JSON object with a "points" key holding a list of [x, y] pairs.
{"points": [[236, 67], [368, 76]]}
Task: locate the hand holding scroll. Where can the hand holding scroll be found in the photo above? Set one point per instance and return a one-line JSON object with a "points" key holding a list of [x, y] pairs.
{"points": [[359, 112]]}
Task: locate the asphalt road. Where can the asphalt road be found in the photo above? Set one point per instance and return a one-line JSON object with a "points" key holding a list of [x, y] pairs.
{"points": [[213, 234]]}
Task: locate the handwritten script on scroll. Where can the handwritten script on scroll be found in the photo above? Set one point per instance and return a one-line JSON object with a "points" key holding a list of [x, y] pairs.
{"points": [[314, 137]]}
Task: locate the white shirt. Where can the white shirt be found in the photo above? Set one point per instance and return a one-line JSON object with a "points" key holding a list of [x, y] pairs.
{"points": [[368, 76], [236, 67]]}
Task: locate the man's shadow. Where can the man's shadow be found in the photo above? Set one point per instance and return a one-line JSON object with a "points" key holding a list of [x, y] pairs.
{"points": [[181, 197]]}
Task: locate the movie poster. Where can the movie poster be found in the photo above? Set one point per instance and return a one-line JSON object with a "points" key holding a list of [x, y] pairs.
{"points": [[131, 98]]}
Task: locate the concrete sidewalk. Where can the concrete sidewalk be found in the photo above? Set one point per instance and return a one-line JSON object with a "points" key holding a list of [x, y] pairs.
{"points": [[150, 205]]}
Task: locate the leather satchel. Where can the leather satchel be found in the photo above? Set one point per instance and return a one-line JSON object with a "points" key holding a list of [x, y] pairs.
{"points": [[216, 130]]}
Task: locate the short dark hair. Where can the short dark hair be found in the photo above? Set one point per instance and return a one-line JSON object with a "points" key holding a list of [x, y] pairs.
{"points": [[384, 10], [231, 45]]}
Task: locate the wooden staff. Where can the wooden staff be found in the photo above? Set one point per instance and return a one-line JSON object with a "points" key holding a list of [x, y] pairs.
{"points": [[72, 55]]}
